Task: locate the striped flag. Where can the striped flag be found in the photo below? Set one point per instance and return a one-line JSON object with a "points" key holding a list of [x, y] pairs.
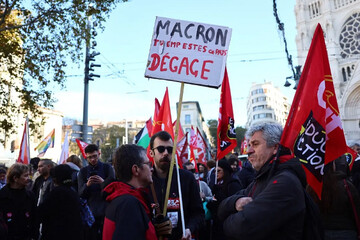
{"points": [[143, 138], [49, 141], [24, 154], [65, 150]]}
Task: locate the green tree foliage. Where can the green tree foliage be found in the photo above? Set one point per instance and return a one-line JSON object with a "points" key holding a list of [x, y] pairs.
{"points": [[107, 137], [37, 39], [212, 123], [240, 133]]}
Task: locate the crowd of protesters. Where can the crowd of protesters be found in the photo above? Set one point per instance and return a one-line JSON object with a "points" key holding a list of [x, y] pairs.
{"points": [[262, 197]]}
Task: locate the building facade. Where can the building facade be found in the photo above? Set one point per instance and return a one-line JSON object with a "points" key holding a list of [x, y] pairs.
{"points": [[266, 104], [191, 115], [9, 151], [340, 20]]}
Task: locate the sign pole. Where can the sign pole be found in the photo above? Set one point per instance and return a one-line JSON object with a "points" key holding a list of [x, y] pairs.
{"points": [[174, 150]]}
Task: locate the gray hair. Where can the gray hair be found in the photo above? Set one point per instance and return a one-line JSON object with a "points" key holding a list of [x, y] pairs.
{"points": [[271, 132]]}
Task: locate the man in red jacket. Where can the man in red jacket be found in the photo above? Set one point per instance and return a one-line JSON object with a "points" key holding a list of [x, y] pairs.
{"points": [[129, 214]]}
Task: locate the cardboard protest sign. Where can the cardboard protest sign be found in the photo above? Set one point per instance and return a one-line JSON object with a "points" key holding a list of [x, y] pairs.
{"points": [[189, 52]]}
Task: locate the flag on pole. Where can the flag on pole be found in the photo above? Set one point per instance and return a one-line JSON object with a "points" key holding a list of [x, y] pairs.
{"points": [[201, 147], [163, 120], [243, 147], [82, 145], [65, 150], [313, 129], [180, 133], [24, 154], [47, 142], [143, 138], [182, 150], [226, 131]]}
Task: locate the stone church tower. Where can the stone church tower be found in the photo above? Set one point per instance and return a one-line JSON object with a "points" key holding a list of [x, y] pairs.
{"points": [[340, 20]]}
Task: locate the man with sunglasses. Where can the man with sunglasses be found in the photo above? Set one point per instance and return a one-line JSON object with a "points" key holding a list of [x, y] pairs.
{"points": [[161, 146], [92, 179]]}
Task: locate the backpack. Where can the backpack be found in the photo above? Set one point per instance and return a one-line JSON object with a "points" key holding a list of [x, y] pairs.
{"points": [[313, 229]]}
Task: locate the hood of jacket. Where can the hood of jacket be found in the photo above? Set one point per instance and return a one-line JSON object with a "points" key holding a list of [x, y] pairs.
{"points": [[285, 162]]}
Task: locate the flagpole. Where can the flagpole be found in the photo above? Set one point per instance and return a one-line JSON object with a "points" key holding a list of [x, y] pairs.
{"points": [[181, 202], [216, 166], [174, 151], [28, 138]]}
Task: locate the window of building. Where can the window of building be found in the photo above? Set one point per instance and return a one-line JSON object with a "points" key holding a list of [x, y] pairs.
{"points": [[187, 119]]}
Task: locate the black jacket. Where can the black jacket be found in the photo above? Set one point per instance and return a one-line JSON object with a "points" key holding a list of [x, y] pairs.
{"points": [[60, 215], [278, 207], [193, 211], [18, 210], [93, 193]]}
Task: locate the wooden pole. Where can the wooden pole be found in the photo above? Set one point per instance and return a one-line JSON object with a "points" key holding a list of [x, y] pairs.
{"points": [[174, 149]]}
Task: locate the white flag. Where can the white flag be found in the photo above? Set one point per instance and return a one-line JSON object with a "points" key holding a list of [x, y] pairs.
{"points": [[65, 150]]}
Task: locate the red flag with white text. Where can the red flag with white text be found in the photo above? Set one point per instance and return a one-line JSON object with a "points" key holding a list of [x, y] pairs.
{"points": [[24, 154], [82, 145], [226, 135], [244, 147], [182, 150], [313, 130], [201, 147]]}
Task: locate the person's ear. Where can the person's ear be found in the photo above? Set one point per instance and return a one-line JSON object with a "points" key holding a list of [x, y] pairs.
{"points": [[152, 154], [135, 170], [276, 148]]}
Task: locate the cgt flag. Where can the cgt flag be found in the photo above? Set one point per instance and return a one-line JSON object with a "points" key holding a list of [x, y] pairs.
{"points": [[313, 129], [225, 131], [82, 145]]}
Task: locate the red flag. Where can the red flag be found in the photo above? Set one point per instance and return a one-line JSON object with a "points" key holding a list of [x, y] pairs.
{"points": [[82, 145], [180, 133], [182, 150], [313, 129], [201, 147], [243, 147], [156, 113], [24, 154], [226, 131], [163, 120]]}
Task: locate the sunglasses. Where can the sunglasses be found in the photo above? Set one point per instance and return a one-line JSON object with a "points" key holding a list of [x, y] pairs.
{"points": [[161, 149]]}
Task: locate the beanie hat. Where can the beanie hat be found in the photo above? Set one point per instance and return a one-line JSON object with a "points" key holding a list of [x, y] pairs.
{"points": [[62, 174]]}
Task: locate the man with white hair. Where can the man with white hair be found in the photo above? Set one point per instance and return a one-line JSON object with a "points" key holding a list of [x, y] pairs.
{"points": [[273, 205]]}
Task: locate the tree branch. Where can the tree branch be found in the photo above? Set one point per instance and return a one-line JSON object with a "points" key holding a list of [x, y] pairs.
{"points": [[48, 13]]}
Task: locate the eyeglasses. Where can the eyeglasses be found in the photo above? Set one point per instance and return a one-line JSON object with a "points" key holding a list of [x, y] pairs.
{"points": [[150, 164], [92, 156], [161, 149]]}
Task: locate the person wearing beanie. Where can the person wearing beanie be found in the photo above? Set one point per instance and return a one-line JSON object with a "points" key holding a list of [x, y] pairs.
{"points": [[60, 210], [226, 186]]}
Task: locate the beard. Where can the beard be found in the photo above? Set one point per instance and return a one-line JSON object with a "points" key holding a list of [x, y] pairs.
{"points": [[164, 163]]}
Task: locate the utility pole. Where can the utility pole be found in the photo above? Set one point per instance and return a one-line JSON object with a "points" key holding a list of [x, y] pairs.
{"points": [[89, 57]]}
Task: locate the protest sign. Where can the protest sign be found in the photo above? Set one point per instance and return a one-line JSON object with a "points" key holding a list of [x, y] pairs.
{"points": [[188, 52]]}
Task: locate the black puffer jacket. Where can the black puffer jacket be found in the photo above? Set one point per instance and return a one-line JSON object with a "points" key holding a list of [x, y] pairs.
{"points": [[278, 207]]}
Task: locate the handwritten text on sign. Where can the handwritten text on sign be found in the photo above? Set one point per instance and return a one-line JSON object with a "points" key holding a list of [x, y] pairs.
{"points": [[188, 52]]}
